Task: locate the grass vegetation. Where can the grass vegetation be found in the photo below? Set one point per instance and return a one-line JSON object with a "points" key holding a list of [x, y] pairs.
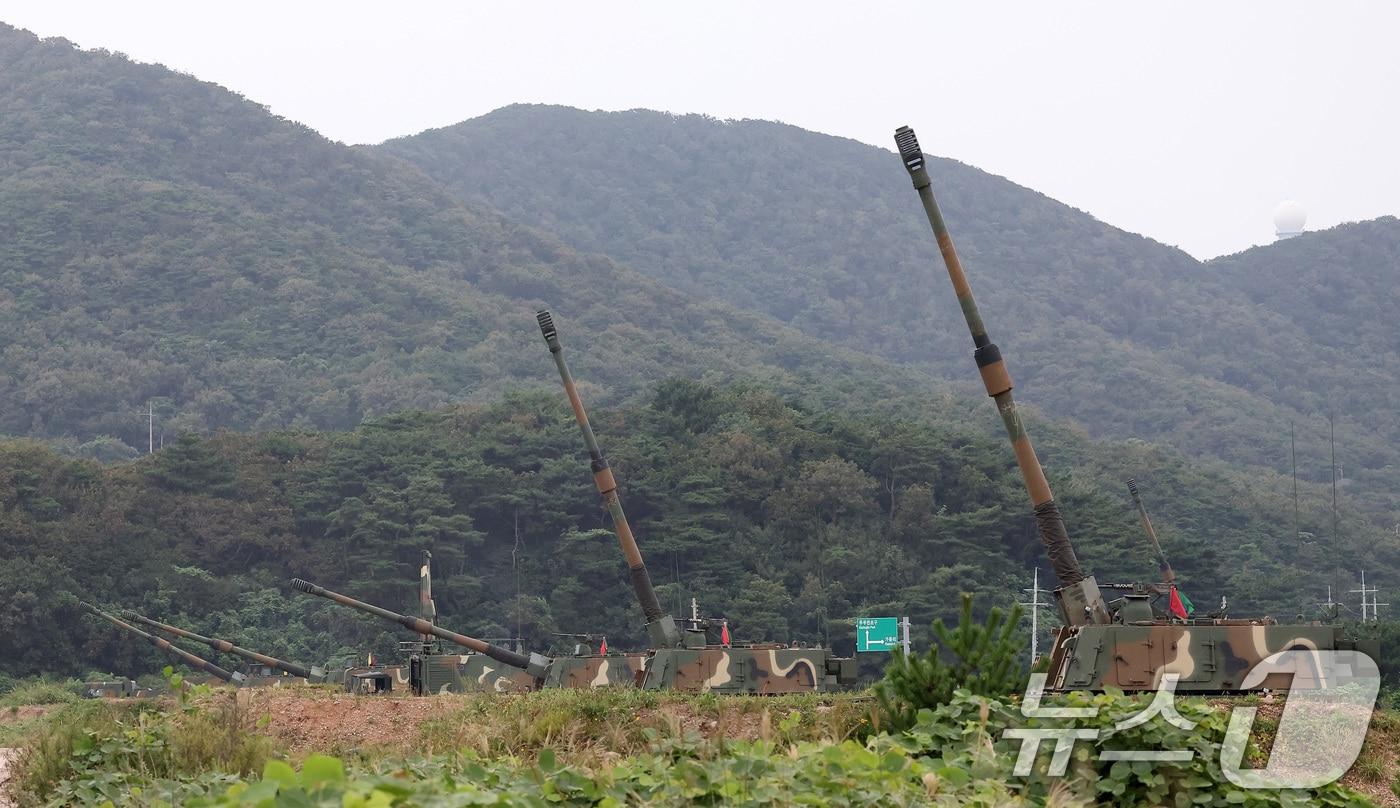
{"points": [[591, 728], [628, 748]]}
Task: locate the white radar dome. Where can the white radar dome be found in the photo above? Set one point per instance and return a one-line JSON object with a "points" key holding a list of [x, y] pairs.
{"points": [[1289, 218]]}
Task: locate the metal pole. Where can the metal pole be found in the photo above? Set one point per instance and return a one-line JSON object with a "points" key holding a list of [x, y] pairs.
{"points": [[1035, 605], [904, 624], [1293, 455], [1332, 437]]}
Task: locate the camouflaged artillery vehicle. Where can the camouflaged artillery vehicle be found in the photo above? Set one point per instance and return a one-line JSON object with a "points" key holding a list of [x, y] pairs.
{"points": [[115, 689], [1121, 643], [180, 654], [490, 668], [265, 670], [684, 659]]}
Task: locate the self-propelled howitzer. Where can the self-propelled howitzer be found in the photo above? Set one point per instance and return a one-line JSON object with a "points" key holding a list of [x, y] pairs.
{"points": [[178, 653], [536, 666], [312, 674], [682, 659], [1122, 644], [661, 627]]}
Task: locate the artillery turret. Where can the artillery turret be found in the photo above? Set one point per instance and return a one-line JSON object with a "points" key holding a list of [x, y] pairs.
{"points": [[682, 659], [1123, 644], [178, 653], [527, 671], [312, 674]]}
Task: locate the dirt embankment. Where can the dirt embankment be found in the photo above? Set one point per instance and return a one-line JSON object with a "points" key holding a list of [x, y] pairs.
{"points": [[342, 723]]}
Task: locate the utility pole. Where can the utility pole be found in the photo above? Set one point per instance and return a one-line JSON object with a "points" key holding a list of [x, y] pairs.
{"points": [[1332, 438], [1293, 455], [1330, 605], [150, 427], [1035, 606], [1364, 593], [1369, 605]]}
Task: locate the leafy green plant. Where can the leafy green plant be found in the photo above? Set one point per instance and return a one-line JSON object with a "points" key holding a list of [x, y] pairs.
{"points": [[980, 658]]}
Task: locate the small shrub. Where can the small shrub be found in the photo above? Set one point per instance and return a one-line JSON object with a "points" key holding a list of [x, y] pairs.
{"points": [[40, 691], [982, 659]]}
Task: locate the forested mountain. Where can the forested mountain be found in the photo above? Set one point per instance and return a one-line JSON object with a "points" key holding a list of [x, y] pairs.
{"points": [[164, 239], [1126, 335], [785, 520]]}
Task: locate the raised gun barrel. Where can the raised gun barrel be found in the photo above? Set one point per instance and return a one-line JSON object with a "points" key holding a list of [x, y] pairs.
{"points": [[661, 627], [535, 664], [1168, 577], [165, 645], [1080, 603], [228, 647]]}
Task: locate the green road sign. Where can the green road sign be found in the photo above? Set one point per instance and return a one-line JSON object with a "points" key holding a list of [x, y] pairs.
{"points": [[877, 633]]}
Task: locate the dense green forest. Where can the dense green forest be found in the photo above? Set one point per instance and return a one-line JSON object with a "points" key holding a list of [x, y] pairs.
{"points": [[786, 520], [164, 240], [1126, 335]]}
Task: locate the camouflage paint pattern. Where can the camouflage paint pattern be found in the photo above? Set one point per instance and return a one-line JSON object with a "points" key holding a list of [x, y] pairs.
{"points": [[534, 663], [116, 689], [596, 670], [431, 674], [680, 660], [661, 627], [757, 669], [1123, 645], [997, 381], [1208, 655]]}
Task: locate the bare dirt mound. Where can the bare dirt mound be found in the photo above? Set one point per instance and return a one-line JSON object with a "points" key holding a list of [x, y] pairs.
{"points": [[341, 723]]}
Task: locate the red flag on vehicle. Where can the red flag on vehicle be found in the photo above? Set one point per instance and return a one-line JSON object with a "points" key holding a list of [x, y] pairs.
{"points": [[724, 634], [1178, 608], [603, 649]]}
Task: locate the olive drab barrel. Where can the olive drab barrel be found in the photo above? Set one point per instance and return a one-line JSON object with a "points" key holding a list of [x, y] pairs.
{"points": [[535, 664], [309, 674], [165, 645], [1123, 644], [1078, 594], [662, 629], [1168, 577]]}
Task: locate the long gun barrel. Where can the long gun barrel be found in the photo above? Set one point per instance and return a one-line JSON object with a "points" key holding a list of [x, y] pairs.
{"points": [[661, 627], [227, 647], [997, 381], [165, 645], [1168, 577], [535, 664]]}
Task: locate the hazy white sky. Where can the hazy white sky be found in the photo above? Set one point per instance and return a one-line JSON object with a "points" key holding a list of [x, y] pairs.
{"points": [[1184, 121]]}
